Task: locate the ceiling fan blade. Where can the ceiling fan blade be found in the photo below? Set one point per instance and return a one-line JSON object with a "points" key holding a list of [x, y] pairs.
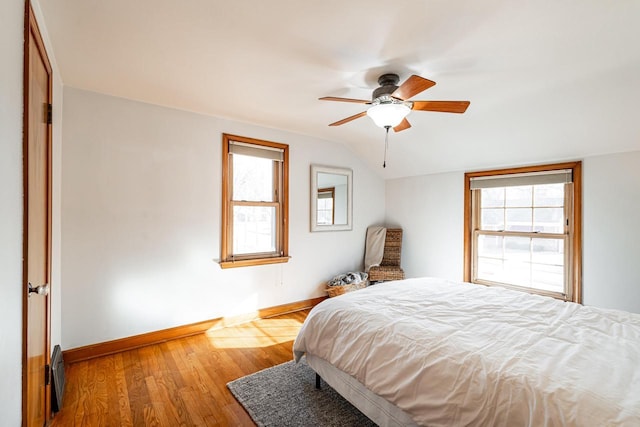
{"points": [[348, 119], [442, 106], [404, 124], [412, 86], [334, 98]]}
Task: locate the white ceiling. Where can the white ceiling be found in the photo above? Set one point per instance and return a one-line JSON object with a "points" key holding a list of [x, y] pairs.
{"points": [[547, 79]]}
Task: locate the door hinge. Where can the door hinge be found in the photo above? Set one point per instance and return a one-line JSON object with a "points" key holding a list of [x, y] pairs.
{"points": [[49, 114], [47, 374]]}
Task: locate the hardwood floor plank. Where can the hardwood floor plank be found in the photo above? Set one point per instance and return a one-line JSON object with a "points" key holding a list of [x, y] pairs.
{"points": [[182, 382], [189, 376], [72, 390], [216, 386], [139, 401], [197, 411], [171, 363], [108, 387], [172, 399], [91, 404], [124, 408], [160, 407], [150, 419]]}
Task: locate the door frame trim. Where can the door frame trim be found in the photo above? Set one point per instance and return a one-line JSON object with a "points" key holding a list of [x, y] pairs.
{"points": [[31, 28]]}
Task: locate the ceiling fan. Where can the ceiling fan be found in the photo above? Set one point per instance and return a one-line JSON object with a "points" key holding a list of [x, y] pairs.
{"points": [[390, 105]]}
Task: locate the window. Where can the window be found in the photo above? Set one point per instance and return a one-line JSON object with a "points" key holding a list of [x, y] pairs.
{"points": [[254, 202], [523, 229], [326, 206]]}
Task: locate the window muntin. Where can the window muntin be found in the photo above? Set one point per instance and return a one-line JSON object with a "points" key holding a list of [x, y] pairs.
{"points": [[255, 205], [521, 229]]}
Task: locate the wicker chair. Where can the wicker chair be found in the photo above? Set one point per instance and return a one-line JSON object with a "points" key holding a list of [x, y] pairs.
{"points": [[389, 268]]}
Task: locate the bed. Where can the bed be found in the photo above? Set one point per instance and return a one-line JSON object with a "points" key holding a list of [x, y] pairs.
{"points": [[439, 353]]}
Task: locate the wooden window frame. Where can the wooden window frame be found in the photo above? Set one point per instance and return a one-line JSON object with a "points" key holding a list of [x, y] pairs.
{"points": [[227, 258], [574, 262]]}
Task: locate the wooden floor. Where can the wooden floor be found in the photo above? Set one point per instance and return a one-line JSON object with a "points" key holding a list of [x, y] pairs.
{"points": [[176, 383]]}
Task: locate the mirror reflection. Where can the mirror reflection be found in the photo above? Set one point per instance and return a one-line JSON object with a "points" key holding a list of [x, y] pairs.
{"points": [[330, 198]]}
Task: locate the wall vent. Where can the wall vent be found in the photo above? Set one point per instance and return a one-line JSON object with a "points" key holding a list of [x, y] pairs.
{"points": [[57, 372]]}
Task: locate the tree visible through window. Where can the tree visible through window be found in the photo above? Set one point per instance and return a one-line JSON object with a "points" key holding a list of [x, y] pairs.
{"points": [[254, 212], [522, 229]]}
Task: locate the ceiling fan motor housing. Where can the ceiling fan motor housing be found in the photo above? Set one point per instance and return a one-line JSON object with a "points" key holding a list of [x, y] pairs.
{"points": [[388, 84]]}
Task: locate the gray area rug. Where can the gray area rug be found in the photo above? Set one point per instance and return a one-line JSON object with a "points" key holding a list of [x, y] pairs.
{"points": [[285, 395]]}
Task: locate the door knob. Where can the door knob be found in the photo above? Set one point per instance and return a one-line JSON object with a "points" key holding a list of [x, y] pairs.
{"points": [[40, 290]]}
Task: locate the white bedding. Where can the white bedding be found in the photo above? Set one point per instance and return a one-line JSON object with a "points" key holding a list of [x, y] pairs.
{"points": [[452, 353]]}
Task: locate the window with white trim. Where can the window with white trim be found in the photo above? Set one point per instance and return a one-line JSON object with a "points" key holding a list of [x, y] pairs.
{"points": [[254, 202], [521, 229]]}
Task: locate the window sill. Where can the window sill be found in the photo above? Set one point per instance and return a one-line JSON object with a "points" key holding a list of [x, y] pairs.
{"points": [[251, 262]]}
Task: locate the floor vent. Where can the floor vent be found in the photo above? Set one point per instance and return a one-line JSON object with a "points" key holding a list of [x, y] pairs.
{"points": [[57, 372]]}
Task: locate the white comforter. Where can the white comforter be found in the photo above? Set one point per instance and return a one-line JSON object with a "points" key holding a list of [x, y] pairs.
{"points": [[453, 354]]}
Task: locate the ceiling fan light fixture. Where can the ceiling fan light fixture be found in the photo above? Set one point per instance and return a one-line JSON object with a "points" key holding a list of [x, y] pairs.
{"points": [[388, 115]]}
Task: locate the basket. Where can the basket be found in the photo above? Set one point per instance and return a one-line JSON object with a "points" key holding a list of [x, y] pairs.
{"points": [[334, 291]]}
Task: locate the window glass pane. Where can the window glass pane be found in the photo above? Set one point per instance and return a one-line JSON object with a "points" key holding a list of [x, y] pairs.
{"points": [[252, 178], [492, 219], [548, 195], [526, 262], [490, 246], [519, 219], [489, 269], [547, 268], [517, 248], [548, 220], [492, 197], [508, 263], [517, 273], [548, 277], [519, 196], [325, 211], [254, 229], [547, 251]]}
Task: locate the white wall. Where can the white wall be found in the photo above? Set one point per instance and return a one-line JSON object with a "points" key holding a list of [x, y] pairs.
{"points": [[430, 209], [141, 221], [611, 209], [11, 45]]}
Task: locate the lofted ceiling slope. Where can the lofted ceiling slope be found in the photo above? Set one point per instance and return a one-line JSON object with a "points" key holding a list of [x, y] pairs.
{"points": [[548, 80]]}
